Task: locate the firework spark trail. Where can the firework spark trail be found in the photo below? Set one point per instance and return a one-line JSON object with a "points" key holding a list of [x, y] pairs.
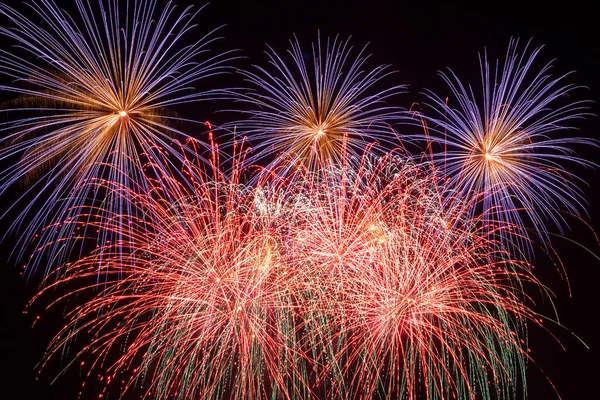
{"points": [[212, 283], [501, 141], [304, 115], [95, 98], [361, 283]]}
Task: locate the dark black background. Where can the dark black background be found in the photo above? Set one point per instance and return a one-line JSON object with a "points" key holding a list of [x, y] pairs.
{"points": [[418, 39]]}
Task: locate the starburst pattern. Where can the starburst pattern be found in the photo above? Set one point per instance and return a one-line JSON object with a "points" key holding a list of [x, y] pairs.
{"points": [[508, 141], [304, 112], [95, 98]]}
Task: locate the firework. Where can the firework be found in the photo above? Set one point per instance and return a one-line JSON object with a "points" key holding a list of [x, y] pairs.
{"points": [[305, 112], [404, 296], [504, 142], [201, 304], [95, 98]]}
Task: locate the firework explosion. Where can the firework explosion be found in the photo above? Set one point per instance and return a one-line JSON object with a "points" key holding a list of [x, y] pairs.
{"points": [[95, 99], [201, 296], [325, 262], [365, 285], [314, 115], [499, 142], [402, 299]]}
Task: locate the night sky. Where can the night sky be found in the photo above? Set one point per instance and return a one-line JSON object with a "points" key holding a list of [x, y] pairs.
{"points": [[417, 39]]}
